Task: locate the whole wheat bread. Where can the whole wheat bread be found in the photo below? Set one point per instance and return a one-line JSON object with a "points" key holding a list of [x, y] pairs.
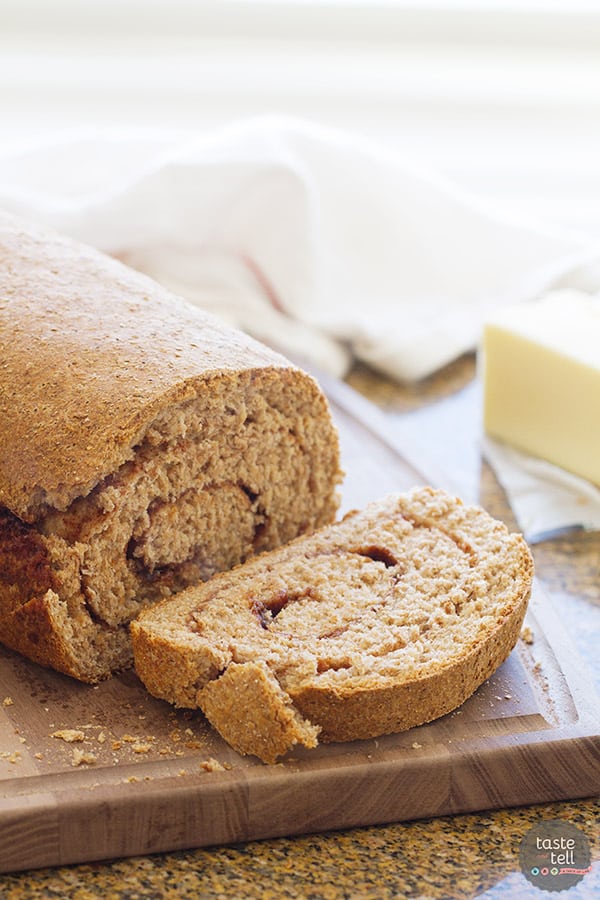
{"points": [[384, 621], [143, 447]]}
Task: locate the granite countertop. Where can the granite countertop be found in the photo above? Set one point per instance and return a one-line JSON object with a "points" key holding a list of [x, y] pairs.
{"points": [[462, 856]]}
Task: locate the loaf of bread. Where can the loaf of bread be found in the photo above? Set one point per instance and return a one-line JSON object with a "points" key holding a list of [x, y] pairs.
{"points": [[143, 447], [387, 620]]}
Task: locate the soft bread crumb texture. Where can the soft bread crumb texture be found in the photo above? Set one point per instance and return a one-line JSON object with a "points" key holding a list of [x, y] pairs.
{"points": [[143, 447], [386, 620]]}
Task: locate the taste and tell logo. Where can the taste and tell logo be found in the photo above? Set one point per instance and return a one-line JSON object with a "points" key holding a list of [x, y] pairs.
{"points": [[554, 855]]}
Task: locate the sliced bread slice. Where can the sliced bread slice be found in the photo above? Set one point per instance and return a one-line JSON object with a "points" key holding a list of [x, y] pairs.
{"points": [[384, 621]]}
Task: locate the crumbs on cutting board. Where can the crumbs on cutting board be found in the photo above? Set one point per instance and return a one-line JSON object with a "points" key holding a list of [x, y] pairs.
{"points": [[81, 757], [527, 635], [70, 735], [213, 765], [207, 765], [13, 757], [123, 747], [96, 743]]}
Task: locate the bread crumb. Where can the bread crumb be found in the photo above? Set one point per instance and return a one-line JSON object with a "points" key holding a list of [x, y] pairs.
{"points": [[101, 738], [70, 735], [12, 758], [81, 757], [416, 745], [527, 635], [508, 696], [116, 745], [141, 748], [8, 701], [132, 779], [129, 739], [212, 765], [39, 755]]}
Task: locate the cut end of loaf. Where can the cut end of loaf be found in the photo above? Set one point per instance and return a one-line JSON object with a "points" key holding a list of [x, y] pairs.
{"points": [[248, 464], [387, 620]]}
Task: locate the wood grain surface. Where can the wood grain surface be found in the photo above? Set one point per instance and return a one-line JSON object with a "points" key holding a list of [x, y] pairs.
{"points": [[140, 777]]}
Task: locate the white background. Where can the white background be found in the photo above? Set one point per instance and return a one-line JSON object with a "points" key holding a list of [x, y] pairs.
{"points": [[504, 97]]}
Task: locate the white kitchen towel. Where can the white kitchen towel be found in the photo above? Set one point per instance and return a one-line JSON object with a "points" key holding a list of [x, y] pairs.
{"points": [[317, 241], [545, 499]]}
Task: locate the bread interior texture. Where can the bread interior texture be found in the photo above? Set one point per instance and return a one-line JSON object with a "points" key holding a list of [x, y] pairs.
{"points": [[389, 619], [246, 465]]}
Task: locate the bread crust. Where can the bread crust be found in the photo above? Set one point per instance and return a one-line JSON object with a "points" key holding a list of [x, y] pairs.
{"points": [[91, 352], [33, 630]]}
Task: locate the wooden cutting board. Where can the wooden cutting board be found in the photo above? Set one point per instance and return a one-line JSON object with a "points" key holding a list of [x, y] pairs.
{"points": [[142, 777]]}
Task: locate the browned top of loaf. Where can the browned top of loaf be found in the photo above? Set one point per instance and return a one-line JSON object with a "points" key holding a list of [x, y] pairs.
{"points": [[90, 352]]}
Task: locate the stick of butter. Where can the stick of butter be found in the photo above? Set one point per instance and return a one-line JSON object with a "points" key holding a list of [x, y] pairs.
{"points": [[541, 376]]}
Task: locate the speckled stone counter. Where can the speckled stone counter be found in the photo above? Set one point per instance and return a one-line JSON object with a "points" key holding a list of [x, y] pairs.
{"points": [[450, 857]]}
